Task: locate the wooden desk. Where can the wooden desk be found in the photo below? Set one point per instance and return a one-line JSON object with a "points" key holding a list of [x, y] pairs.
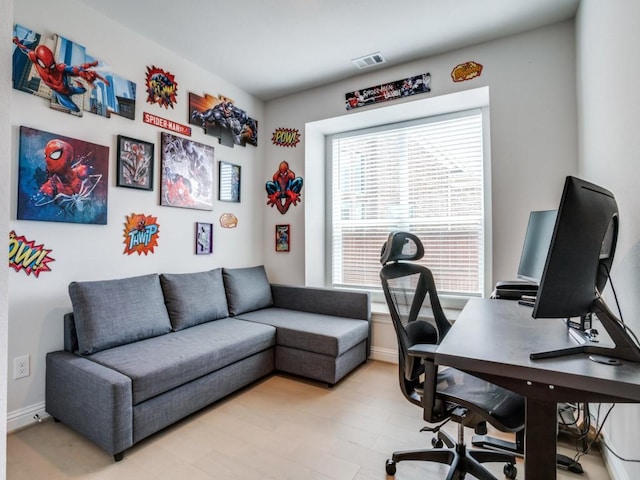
{"points": [[492, 339]]}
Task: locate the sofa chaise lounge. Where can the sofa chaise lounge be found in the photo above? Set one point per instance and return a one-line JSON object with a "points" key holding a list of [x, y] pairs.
{"points": [[142, 352]]}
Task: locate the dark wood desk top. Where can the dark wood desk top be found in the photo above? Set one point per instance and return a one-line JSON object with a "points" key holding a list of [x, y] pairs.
{"points": [[493, 339]]}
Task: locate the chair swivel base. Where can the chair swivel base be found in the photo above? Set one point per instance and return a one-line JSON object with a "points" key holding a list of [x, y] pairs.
{"points": [[461, 460]]}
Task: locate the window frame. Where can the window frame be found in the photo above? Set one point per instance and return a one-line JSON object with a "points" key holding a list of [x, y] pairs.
{"points": [[316, 235]]}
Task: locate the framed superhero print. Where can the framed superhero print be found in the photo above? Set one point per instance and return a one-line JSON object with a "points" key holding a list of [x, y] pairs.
{"points": [[283, 238], [187, 173], [228, 182], [134, 163], [204, 238]]}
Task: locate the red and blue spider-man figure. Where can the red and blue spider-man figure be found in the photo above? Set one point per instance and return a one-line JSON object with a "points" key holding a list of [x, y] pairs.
{"points": [[285, 188], [57, 75]]}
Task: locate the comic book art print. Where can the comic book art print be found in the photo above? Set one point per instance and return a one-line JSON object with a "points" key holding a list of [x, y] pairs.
{"points": [[220, 117], [283, 238], [187, 173], [135, 163], [141, 233], [62, 72], [26, 256], [389, 91], [162, 88], [61, 179]]}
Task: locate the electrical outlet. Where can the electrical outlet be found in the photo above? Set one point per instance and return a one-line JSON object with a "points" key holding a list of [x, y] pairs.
{"points": [[21, 367]]}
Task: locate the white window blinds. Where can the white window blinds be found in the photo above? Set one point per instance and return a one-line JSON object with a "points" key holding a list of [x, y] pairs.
{"points": [[425, 177]]}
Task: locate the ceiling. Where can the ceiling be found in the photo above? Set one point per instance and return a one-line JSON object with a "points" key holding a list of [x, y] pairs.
{"points": [[272, 48]]}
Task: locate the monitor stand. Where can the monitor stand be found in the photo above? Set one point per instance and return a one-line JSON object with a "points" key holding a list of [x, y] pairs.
{"points": [[625, 348]]}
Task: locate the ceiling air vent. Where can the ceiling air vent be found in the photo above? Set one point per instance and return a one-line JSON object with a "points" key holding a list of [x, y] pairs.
{"points": [[370, 60]]}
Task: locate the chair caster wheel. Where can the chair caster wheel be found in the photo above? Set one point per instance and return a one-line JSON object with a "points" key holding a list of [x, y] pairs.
{"points": [[436, 442], [390, 467], [510, 471]]}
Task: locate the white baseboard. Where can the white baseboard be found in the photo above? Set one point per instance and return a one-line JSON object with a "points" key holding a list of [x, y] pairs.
{"points": [[614, 465], [25, 416], [384, 354]]}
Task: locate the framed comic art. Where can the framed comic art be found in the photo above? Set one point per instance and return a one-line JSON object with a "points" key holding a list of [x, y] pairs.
{"points": [[204, 238], [283, 238], [187, 173], [228, 182], [134, 163]]}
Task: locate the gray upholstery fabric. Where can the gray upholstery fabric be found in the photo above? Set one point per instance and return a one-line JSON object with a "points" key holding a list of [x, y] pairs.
{"points": [[312, 332], [194, 298], [163, 410], [247, 289], [329, 301], [93, 400], [157, 365], [319, 367], [109, 313]]}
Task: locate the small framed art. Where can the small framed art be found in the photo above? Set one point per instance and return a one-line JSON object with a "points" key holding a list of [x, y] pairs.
{"points": [[204, 238], [135, 163], [228, 182], [283, 238]]}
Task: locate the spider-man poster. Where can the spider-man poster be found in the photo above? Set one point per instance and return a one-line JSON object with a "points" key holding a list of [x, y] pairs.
{"points": [[61, 179], [61, 71]]}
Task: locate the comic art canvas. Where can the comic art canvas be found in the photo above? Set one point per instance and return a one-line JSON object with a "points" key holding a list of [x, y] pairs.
{"points": [[61, 179], [220, 117], [187, 173], [62, 72]]}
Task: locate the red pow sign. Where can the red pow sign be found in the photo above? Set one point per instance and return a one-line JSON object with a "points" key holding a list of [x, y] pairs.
{"points": [[27, 256]]}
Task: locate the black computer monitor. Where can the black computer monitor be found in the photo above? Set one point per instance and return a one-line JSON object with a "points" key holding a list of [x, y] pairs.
{"points": [[577, 266], [536, 245]]}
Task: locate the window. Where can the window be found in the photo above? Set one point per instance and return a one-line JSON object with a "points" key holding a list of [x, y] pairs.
{"points": [[423, 176]]}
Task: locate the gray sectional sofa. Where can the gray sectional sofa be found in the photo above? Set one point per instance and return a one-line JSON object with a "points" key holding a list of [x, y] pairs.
{"points": [[141, 353]]}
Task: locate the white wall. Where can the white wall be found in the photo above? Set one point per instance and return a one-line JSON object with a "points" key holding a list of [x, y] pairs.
{"points": [[531, 80], [88, 252], [607, 75], [6, 6]]}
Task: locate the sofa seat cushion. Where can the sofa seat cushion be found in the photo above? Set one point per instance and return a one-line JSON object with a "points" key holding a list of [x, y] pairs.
{"points": [[159, 364], [311, 332]]}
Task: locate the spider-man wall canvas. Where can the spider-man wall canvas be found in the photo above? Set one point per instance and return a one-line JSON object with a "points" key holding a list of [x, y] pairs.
{"points": [[61, 71], [61, 179]]}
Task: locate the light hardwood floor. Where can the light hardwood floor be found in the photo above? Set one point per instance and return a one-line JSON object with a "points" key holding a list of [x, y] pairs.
{"points": [[281, 427]]}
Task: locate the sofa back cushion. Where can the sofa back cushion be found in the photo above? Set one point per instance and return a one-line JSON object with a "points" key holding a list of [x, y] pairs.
{"points": [[109, 313], [247, 289], [194, 298]]}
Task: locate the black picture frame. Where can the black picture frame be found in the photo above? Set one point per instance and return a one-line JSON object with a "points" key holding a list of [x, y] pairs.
{"points": [[135, 162], [229, 182]]}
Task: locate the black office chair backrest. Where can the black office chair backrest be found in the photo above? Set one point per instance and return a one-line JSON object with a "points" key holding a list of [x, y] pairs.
{"points": [[413, 301]]}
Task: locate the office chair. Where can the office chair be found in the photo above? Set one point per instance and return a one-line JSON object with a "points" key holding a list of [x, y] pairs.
{"points": [[444, 394]]}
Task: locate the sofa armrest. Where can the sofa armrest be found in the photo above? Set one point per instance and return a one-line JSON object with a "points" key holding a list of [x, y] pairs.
{"points": [[92, 399], [325, 301]]}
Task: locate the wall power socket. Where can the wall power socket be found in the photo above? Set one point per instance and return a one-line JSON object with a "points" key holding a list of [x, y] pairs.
{"points": [[21, 367]]}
